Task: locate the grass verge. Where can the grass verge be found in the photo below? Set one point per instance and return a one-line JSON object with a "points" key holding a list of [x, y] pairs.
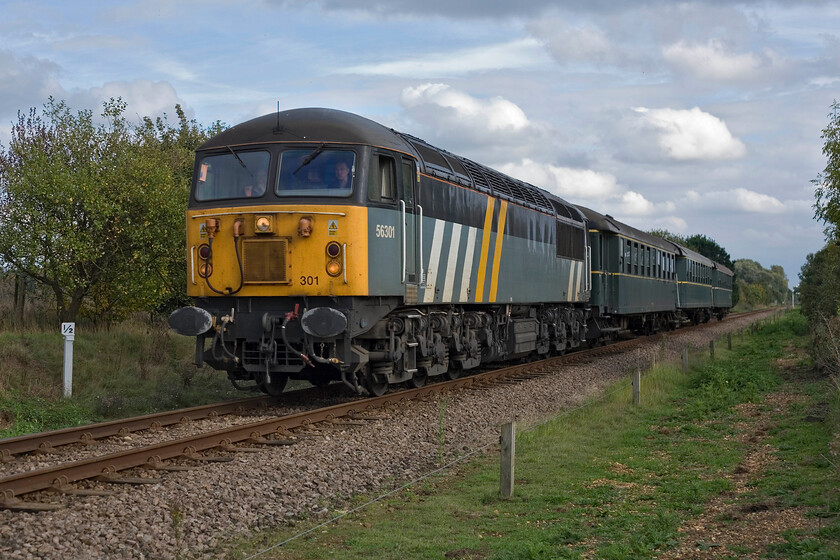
{"points": [[613, 480], [125, 370]]}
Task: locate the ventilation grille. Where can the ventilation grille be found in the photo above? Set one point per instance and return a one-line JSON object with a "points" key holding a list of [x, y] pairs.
{"points": [[266, 260]]}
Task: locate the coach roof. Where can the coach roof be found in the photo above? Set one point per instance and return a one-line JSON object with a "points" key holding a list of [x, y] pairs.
{"points": [[610, 224]]}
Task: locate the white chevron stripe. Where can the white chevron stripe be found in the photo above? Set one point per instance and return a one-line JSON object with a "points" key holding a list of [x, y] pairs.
{"points": [[571, 280], [434, 262], [452, 262], [468, 265]]}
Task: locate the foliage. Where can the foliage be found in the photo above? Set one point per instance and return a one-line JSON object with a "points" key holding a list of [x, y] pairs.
{"points": [[827, 183], [819, 284], [760, 286], [94, 212]]}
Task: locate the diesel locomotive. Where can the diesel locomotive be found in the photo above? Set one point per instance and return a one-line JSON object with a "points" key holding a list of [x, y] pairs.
{"points": [[324, 246]]}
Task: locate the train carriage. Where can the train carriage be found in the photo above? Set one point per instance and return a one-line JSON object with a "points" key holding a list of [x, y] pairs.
{"points": [[322, 245], [633, 277], [694, 280], [722, 281]]}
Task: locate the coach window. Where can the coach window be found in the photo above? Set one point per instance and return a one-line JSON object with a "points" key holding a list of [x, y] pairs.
{"points": [[628, 256]]}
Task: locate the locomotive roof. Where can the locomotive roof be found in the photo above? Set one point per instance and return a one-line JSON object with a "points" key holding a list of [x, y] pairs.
{"points": [[332, 125], [308, 125], [603, 222]]}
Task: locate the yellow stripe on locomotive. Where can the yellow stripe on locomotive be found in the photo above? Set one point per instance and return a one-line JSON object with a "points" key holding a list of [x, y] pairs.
{"points": [[285, 250]]}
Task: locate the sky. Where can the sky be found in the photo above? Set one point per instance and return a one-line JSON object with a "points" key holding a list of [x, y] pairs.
{"points": [[695, 117]]}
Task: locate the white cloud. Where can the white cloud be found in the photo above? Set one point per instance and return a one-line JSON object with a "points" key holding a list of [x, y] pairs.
{"points": [[692, 134], [518, 54], [712, 61], [738, 199], [564, 181], [566, 44], [494, 115], [143, 97]]}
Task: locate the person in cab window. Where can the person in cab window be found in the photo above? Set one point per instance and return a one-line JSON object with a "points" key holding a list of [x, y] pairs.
{"points": [[342, 176], [257, 187]]}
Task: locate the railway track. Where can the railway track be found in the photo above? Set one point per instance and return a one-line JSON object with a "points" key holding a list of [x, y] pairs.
{"points": [[248, 437]]}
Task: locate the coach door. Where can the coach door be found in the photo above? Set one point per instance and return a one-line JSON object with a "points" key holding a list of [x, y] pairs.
{"points": [[412, 218]]}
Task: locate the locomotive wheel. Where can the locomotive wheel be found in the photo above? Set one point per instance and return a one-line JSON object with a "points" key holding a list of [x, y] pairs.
{"points": [[376, 387], [275, 386], [453, 372], [418, 379]]}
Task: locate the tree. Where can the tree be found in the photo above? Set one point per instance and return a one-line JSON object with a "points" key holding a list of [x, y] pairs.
{"points": [[819, 284], [760, 286], [94, 211], [827, 192]]}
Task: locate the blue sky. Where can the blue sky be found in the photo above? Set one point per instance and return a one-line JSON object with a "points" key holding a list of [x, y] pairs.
{"points": [[697, 117]]}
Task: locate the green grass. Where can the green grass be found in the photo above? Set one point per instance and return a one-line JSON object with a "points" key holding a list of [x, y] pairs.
{"points": [[611, 480], [129, 369]]}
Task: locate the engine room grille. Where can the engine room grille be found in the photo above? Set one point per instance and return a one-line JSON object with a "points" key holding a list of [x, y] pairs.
{"points": [[266, 260]]}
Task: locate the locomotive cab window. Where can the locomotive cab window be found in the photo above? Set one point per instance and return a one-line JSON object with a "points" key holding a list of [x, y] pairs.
{"points": [[382, 179], [232, 175], [316, 172]]}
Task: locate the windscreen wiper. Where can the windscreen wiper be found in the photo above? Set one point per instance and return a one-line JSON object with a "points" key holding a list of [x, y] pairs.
{"points": [[239, 159], [308, 159]]}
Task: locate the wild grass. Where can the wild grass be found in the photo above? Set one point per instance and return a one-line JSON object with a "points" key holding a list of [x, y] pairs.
{"points": [[610, 480], [131, 368]]}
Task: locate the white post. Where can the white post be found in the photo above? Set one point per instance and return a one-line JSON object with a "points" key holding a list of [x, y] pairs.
{"points": [[68, 330]]}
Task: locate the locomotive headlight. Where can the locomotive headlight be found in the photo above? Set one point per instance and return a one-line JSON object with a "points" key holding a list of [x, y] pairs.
{"points": [[333, 268], [205, 270], [262, 224]]}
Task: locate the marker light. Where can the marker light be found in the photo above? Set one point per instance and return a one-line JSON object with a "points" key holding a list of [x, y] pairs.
{"points": [[333, 249], [205, 270], [262, 224], [204, 251], [333, 268]]}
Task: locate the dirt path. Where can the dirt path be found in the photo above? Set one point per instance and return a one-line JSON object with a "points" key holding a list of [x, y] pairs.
{"points": [[734, 524]]}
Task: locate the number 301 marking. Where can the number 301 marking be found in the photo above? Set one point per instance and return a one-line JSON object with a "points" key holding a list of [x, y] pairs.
{"points": [[388, 232]]}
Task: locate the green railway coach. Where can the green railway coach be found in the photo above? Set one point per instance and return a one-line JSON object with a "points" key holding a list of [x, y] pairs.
{"points": [[634, 283]]}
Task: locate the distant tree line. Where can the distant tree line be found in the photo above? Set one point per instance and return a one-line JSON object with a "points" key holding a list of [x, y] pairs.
{"points": [[92, 210]]}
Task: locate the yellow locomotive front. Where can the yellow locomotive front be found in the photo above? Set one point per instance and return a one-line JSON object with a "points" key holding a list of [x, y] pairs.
{"points": [[277, 258], [253, 244]]}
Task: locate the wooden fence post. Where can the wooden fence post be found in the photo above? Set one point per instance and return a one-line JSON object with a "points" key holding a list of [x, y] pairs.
{"points": [[637, 383], [508, 453]]}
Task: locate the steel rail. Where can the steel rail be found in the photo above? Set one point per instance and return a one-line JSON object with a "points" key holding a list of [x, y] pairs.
{"points": [[45, 441]]}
